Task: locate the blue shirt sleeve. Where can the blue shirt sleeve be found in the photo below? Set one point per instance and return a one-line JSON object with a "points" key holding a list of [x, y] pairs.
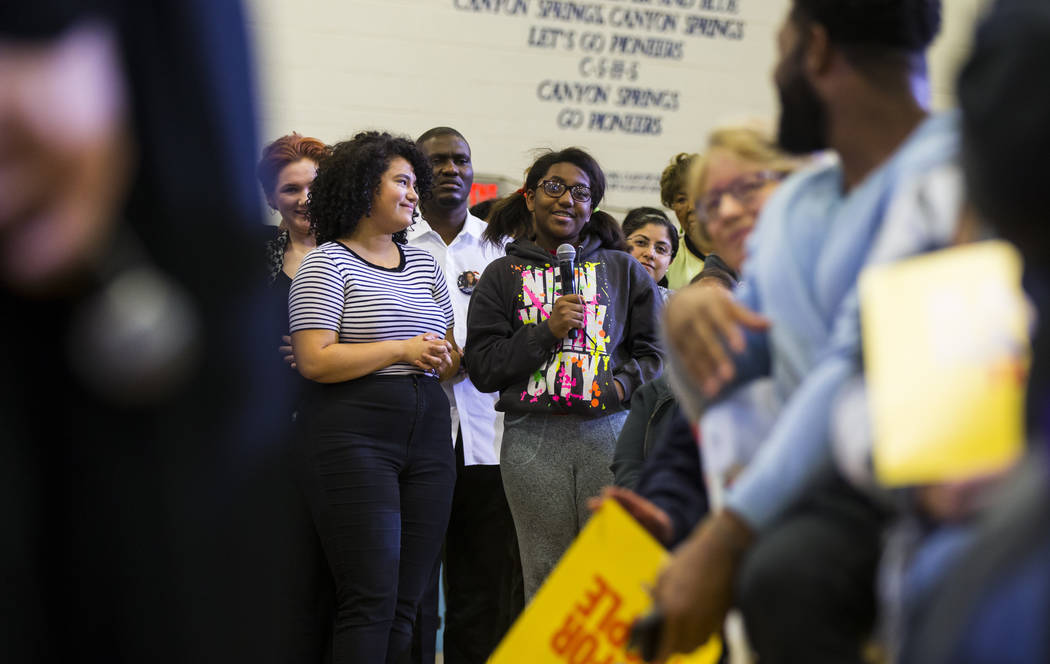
{"points": [[798, 449], [754, 362]]}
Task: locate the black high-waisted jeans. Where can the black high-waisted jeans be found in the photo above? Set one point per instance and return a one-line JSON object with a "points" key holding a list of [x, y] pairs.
{"points": [[377, 467]]}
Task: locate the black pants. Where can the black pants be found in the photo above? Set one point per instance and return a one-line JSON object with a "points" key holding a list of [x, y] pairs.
{"points": [[428, 619], [378, 474], [483, 592], [807, 589]]}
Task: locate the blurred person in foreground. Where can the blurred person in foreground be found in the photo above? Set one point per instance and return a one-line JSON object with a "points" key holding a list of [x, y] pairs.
{"points": [[674, 194], [794, 546], [740, 170], [993, 603], [142, 511], [730, 182]]}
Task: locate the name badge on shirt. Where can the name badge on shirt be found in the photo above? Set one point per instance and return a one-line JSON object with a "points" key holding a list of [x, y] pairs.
{"points": [[467, 281]]}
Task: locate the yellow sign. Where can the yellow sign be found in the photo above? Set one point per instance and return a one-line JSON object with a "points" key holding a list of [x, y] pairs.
{"points": [[583, 612], [946, 355]]}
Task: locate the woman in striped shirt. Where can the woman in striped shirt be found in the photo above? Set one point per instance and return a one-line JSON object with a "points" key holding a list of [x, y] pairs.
{"points": [[371, 324]]}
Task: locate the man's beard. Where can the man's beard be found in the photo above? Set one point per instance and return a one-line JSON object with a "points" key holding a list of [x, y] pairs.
{"points": [[803, 118]]}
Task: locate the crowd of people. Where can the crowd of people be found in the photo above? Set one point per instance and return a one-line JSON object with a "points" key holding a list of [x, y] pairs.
{"points": [[409, 393]]}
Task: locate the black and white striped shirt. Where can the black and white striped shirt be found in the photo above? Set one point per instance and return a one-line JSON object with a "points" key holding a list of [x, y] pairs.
{"points": [[335, 289]]}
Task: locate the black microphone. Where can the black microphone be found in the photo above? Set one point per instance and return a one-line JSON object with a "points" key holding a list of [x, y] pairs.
{"points": [[566, 258]]}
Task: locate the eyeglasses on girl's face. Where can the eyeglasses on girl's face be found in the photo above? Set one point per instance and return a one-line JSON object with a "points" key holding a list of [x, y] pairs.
{"points": [[556, 188]]}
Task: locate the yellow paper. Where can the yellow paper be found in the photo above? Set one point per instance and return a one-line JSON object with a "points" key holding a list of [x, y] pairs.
{"points": [[945, 354], [583, 612]]}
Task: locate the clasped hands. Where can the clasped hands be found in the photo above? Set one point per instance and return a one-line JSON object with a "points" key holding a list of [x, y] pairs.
{"points": [[430, 352]]}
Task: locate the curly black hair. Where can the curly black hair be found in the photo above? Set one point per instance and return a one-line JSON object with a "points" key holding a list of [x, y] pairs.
{"points": [[348, 179], [908, 25]]}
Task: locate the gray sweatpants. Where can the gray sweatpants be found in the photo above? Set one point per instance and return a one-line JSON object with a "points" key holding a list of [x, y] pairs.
{"points": [[551, 465]]}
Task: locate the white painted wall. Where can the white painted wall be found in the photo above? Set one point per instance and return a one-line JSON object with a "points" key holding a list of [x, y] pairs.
{"points": [[329, 68]]}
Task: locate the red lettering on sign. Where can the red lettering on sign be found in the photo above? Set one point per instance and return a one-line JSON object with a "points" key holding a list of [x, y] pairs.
{"points": [[565, 638], [594, 627]]}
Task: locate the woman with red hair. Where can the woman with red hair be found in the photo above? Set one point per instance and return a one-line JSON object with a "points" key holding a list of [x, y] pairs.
{"points": [[286, 171]]}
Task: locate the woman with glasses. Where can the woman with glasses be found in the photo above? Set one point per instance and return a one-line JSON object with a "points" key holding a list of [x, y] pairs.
{"points": [[741, 170], [661, 484], [565, 364], [653, 241], [730, 185]]}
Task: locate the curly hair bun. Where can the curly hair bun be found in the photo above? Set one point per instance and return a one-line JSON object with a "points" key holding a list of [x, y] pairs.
{"points": [[905, 24]]}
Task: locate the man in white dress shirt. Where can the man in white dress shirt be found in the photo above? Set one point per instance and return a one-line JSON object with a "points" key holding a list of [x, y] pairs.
{"points": [[480, 545]]}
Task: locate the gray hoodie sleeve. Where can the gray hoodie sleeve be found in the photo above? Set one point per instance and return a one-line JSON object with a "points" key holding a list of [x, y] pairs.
{"points": [[642, 335]]}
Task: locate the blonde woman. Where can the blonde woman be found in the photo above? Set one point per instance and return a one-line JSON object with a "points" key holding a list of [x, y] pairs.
{"points": [[728, 187]]}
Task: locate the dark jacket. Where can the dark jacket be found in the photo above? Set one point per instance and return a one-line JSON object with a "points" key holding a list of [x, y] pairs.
{"points": [[716, 268], [672, 477], [652, 408], [511, 349]]}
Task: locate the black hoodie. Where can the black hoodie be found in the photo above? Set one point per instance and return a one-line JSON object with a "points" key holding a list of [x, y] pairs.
{"points": [[510, 347]]}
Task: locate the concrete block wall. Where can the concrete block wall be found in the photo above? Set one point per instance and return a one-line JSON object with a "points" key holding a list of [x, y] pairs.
{"points": [[633, 81]]}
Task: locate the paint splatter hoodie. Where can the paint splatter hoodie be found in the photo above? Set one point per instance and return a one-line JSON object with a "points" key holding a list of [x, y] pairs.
{"points": [[510, 347]]}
